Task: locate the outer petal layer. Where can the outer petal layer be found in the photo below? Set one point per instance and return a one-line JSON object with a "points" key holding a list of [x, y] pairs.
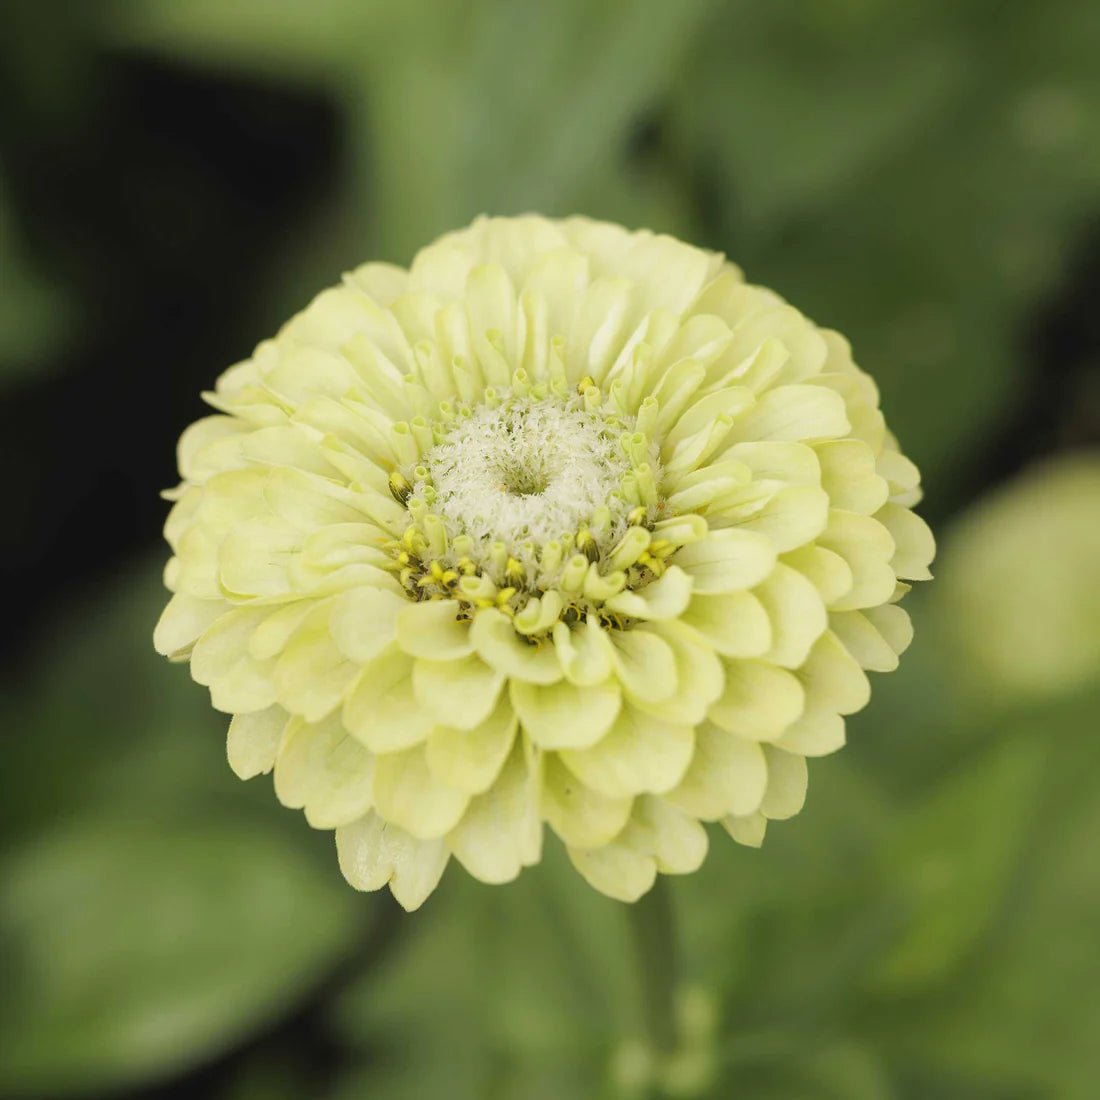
{"points": [[564, 525]]}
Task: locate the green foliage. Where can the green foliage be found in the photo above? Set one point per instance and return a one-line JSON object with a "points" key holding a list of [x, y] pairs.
{"points": [[150, 921], [958, 849], [917, 176], [142, 945], [510, 990], [35, 315], [911, 175]]}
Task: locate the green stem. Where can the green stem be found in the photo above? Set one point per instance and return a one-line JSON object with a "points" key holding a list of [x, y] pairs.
{"points": [[653, 924]]}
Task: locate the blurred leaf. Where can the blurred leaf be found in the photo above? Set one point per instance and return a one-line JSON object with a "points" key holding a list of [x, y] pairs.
{"points": [[1019, 590], [844, 1070], [1026, 1014], [36, 317], [273, 1071], [531, 984], [130, 728], [445, 1072], [916, 729], [298, 38], [823, 1065], [142, 947], [154, 909], [950, 861], [445, 144], [421, 1075], [909, 175], [850, 1071], [1009, 628], [784, 87], [785, 933], [435, 142]]}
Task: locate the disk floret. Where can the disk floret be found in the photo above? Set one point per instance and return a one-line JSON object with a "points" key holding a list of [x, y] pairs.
{"points": [[543, 505]]}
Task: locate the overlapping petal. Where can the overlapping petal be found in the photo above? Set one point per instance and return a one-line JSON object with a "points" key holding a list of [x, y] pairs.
{"points": [[657, 628]]}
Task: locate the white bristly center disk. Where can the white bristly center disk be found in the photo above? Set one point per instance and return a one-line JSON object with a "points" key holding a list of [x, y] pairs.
{"points": [[528, 472]]}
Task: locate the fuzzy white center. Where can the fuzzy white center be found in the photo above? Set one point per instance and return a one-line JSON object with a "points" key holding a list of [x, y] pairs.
{"points": [[527, 472]]}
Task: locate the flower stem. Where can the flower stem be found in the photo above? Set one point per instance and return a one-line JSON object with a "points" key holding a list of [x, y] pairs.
{"points": [[653, 926]]}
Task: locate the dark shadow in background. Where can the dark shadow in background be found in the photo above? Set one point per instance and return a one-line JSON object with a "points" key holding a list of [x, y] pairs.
{"points": [[157, 211]]}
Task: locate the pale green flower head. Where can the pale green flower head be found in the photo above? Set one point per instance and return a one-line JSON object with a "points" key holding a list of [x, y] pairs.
{"points": [[565, 525]]}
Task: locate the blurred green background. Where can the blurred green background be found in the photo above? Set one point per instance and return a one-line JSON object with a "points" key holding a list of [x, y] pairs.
{"points": [[177, 177]]}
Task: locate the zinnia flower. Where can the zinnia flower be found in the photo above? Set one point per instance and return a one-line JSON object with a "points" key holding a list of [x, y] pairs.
{"points": [[564, 525]]}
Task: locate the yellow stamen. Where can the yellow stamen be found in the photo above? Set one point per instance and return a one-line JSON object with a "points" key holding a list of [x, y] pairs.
{"points": [[514, 572], [587, 545], [400, 488]]}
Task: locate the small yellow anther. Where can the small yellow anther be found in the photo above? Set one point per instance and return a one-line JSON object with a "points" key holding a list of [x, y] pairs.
{"points": [[400, 488], [609, 620], [587, 545]]}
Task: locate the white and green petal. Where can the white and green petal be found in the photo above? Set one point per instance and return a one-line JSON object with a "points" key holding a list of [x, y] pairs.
{"points": [[562, 525], [501, 831], [374, 853], [728, 775], [410, 794], [658, 838], [787, 780], [238, 683], [640, 753], [565, 716], [313, 675], [471, 759], [875, 637], [748, 830], [581, 816], [183, 621], [252, 742], [760, 700], [322, 769], [700, 676], [381, 709], [733, 624], [458, 693], [727, 561]]}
